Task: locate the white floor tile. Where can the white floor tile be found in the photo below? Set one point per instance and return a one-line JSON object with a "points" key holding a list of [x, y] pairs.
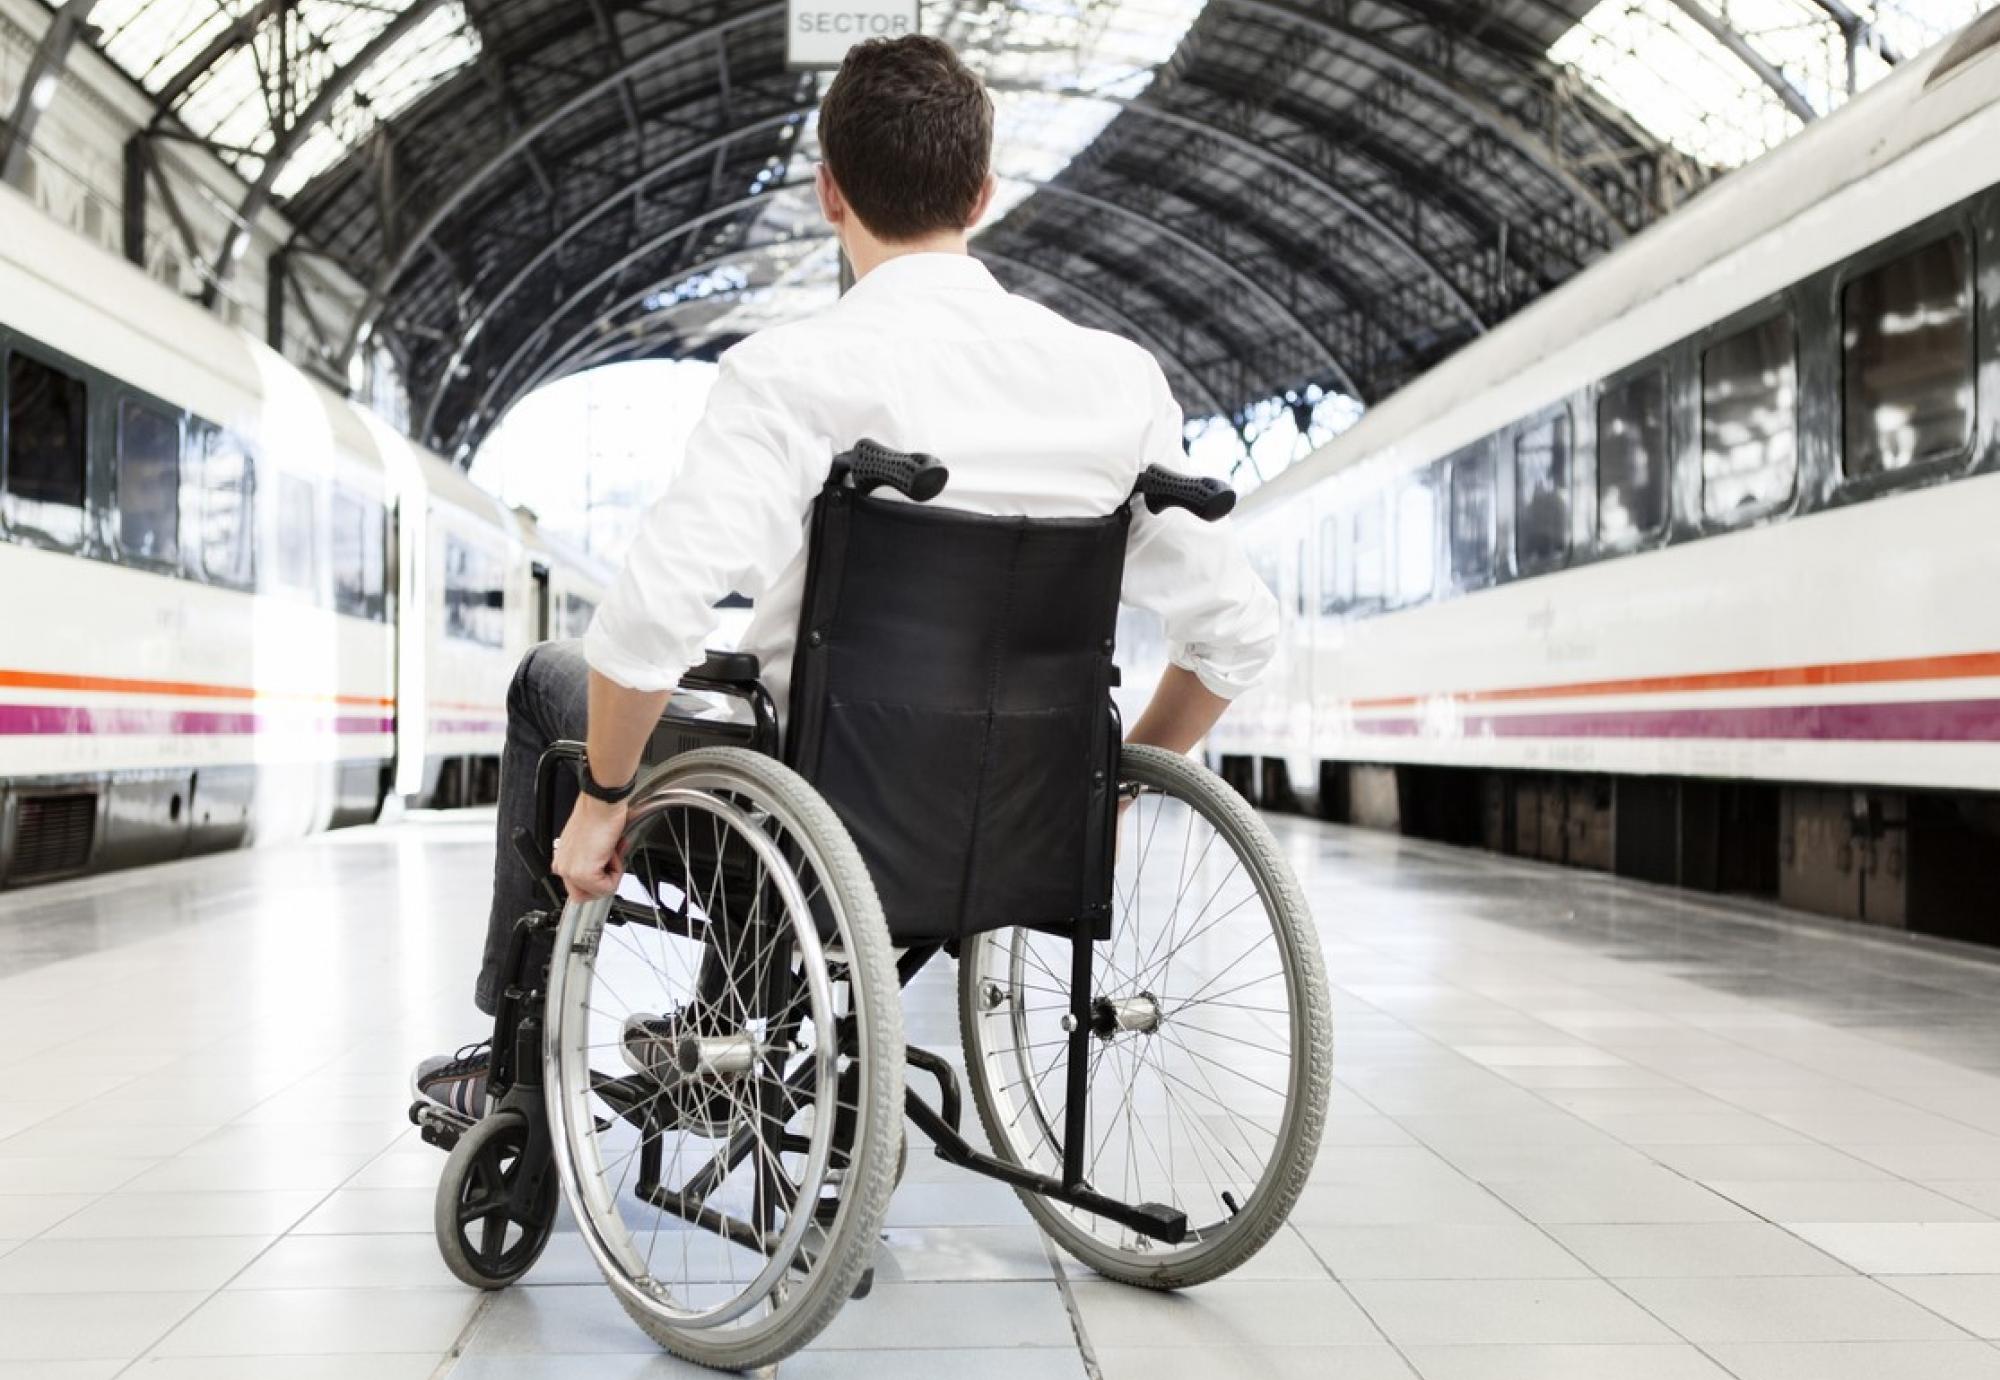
{"points": [[1839, 1309], [1418, 1313], [309, 1322]]}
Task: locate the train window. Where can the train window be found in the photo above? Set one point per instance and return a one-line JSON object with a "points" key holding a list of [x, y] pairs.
{"points": [[475, 594], [1632, 459], [1331, 550], [1370, 555], [1541, 493], [149, 482], [295, 532], [359, 568], [1750, 420], [1473, 513], [1416, 543], [228, 505], [1906, 340], [47, 421]]}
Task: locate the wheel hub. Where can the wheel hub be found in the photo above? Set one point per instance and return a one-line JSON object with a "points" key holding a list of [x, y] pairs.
{"points": [[717, 1056], [1138, 1014]]}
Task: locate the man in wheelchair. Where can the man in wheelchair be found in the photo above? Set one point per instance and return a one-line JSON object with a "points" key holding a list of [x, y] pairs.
{"points": [[715, 1005], [1036, 417]]}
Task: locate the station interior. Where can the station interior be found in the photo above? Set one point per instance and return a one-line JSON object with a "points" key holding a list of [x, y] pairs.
{"points": [[1569, 949]]}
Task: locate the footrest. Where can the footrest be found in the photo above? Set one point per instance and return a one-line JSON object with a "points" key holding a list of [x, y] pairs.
{"points": [[437, 1125]]}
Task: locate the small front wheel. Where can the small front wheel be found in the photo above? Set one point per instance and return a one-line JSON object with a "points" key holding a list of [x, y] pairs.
{"points": [[487, 1231]]}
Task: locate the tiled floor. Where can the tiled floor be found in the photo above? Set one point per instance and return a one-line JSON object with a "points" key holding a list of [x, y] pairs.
{"points": [[1581, 1129]]}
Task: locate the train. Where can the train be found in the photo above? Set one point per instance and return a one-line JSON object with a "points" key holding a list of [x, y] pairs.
{"points": [[239, 607], [1687, 570]]}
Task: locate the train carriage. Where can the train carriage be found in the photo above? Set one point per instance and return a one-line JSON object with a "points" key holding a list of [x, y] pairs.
{"points": [[237, 608], [1685, 570]]}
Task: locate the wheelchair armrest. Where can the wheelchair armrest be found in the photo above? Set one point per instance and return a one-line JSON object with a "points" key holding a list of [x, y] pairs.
{"points": [[736, 670]]}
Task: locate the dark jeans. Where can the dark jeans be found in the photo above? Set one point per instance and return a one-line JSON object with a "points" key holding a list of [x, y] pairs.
{"points": [[549, 700]]}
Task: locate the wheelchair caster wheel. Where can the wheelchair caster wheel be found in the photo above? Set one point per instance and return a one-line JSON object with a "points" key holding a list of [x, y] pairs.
{"points": [[488, 1237]]}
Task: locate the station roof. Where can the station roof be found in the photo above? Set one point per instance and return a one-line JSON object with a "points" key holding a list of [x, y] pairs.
{"points": [[1282, 198]]}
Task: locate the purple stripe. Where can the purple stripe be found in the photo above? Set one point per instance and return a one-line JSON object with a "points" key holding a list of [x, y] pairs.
{"points": [[31, 720], [1922, 721], [468, 725]]}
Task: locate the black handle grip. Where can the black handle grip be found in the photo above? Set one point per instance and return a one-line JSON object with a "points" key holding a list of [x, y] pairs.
{"points": [[1208, 499], [911, 473]]}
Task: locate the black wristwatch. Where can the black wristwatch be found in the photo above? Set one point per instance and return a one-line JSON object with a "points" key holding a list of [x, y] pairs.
{"points": [[610, 795]]}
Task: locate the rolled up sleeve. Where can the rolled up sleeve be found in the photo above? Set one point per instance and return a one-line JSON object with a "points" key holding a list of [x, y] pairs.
{"points": [[728, 523], [1220, 619]]}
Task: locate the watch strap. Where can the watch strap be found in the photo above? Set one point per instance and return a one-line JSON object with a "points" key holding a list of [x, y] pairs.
{"points": [[610, 795]]}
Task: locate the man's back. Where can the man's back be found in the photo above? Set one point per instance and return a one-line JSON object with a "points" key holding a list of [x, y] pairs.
{"points": [[1034, 417]]}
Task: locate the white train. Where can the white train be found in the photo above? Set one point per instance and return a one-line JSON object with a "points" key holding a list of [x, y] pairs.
{"points": [[238, 607], [1689, 569]]}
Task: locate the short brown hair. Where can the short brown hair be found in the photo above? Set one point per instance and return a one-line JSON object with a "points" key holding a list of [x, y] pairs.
{"points": [[907, 131]]}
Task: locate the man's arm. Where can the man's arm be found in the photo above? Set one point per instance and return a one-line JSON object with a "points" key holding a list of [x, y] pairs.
{"points": [[1180, 714], [728, 523], [588, 857], [1220, 621]]}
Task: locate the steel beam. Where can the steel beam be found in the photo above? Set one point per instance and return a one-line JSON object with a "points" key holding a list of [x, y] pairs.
{"points": [[1745, 52], [694, 153], [240, 31], [1305, 177], [38, 88], [1859, 30], [1471, 103], [337, 85], [457, 196]]}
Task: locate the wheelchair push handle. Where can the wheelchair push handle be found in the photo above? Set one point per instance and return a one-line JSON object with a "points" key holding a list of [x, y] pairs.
{"points": [[1208, 499], [870, 465]]}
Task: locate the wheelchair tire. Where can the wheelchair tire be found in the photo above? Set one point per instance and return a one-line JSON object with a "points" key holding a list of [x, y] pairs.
{"points": [[680, 1279], [1014, 994], [479, 1172]]}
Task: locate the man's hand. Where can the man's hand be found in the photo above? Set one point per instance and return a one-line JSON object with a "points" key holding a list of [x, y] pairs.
{"points": [[590, 852]]}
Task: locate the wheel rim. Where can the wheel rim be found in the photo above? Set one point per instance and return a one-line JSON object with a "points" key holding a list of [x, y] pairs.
{"points": [[499, 1236], [746, 1131], [1198, 1062]]}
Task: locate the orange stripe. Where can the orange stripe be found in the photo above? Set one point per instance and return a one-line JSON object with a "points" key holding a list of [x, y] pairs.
{"points": [[1961, 666], [51, 680]]}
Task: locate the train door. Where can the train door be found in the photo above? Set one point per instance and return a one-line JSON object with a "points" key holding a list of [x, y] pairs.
{"points": [[541, 611]]}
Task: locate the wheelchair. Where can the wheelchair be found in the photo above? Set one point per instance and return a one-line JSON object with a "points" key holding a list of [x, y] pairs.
{"points": [[709, 1067]]}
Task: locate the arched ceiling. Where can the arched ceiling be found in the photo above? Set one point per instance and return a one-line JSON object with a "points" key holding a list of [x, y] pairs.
{"points": [[1273, 195]]}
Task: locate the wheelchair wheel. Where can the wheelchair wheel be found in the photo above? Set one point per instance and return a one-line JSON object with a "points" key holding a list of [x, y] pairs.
{"points": [[488, 1237], [1211, 1049], [725, 1047]]}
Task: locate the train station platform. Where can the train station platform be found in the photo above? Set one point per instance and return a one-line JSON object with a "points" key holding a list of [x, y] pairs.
{"points": [[1581, 1128]]}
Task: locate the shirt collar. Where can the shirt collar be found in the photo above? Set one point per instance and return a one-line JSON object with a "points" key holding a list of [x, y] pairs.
{"points": [[930, 271]]}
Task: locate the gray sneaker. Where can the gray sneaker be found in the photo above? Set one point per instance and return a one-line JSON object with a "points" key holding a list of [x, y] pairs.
{"points": [[456, 1082]]}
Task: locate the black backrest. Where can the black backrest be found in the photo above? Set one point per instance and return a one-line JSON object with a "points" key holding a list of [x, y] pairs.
{"points": [[951, 699]]}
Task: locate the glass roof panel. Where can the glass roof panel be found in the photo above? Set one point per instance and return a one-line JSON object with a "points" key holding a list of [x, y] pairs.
{"points": [[1680, 82], [262, 86]]}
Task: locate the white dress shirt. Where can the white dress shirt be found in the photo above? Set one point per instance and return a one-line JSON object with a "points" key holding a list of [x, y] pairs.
{"points": [[1033, 416]]}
